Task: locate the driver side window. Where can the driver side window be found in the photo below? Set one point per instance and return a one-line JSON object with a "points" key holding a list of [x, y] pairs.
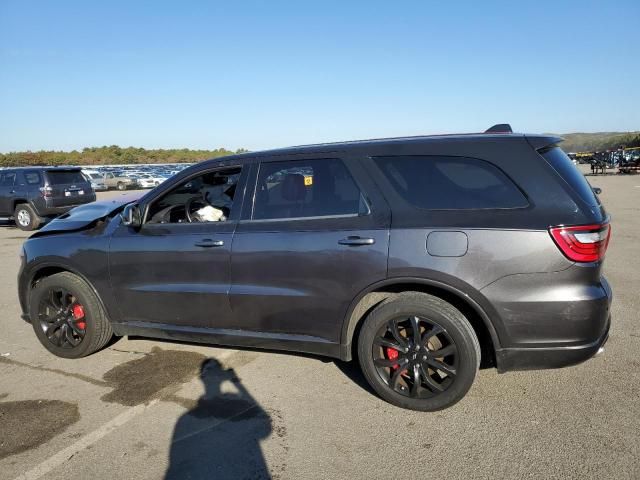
{"points": [[205, 198]]}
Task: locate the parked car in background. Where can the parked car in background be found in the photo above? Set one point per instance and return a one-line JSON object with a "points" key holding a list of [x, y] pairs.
{"points": [[119, 181], [146, 180], [422, 257], [31, 196], [97, 180]]}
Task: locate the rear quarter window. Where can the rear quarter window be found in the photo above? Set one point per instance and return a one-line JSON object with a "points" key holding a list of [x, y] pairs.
{"points": [[563, 165], [32, 178], [450, 183], [64, 177]]}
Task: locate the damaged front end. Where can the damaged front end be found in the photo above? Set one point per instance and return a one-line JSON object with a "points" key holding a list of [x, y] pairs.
{"points": [[85, 216]]}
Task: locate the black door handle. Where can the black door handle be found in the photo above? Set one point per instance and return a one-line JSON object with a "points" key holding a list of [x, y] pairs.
{"points": [[208, 243], [356, 241]]}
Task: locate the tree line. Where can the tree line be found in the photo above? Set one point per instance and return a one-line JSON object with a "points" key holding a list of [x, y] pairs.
{"points": [[115, 155], [112, 155]]}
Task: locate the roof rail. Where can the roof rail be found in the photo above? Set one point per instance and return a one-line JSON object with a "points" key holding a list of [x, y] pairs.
{"points": [[500, 128]]}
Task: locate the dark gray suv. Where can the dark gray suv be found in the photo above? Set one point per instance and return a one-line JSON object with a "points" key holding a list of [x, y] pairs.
{"points": [[424, 257], [33, 195]]}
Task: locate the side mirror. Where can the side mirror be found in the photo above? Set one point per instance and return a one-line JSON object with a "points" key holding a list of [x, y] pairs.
{"points": [[131, 216], [597, 190]]}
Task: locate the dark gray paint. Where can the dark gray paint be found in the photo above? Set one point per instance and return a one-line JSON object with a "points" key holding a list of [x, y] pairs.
{"points": [[447, 244], [293, 285], [301, 282]]}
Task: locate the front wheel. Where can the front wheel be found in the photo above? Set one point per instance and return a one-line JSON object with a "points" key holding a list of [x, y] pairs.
{"points": [[67, 316], [121, 186], [419, 352]]}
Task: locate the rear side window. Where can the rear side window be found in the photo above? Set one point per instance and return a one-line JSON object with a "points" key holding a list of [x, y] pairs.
{"points": [[450, 183], [306, 188], [62, 177], [562, 164], [32, 178]]}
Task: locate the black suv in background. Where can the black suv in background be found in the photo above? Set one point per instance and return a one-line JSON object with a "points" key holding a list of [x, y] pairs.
{"points": [[33, 195], [421, 257]]}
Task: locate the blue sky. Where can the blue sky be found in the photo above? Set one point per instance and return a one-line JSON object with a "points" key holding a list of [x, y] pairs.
{"points": [[260, 74]]}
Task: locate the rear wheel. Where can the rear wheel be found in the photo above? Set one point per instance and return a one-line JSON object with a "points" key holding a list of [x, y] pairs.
{"points": [[67, 316], [121, 186], [26, 218], [419, 352]]}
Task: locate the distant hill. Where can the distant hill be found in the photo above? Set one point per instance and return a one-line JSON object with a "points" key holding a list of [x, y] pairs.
{"points": [[589, 142]]}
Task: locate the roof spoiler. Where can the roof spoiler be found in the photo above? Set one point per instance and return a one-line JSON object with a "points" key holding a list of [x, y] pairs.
{"points": [[500, 128], [538, 142]]}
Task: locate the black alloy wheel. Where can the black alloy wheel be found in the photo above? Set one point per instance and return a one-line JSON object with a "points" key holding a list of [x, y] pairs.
{"points": [[418, 351], [61, 317], [67, 316], [416, 357]]}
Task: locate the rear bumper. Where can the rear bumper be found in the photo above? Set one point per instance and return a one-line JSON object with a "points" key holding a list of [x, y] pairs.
{"points": [[550, 324], [50, 211], [508, 359]]}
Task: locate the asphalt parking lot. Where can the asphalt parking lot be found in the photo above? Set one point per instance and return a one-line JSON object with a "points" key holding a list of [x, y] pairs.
{"points": [[144, 409]]}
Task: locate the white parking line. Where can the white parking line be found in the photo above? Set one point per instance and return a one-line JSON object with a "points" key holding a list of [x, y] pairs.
{"points": [[62, 456]]}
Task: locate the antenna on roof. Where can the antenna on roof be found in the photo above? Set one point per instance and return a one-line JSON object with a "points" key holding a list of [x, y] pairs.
{"points": [[500, 128]]}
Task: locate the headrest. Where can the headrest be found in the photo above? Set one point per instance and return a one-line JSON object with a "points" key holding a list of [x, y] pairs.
{"points": [[293, 189]]}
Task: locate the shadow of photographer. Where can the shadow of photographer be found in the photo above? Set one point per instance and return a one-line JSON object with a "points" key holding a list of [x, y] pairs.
{"points": [[219, 437]]}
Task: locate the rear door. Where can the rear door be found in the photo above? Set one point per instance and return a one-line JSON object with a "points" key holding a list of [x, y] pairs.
{"points": [[315, 235], [68, 187], [7, 183]]}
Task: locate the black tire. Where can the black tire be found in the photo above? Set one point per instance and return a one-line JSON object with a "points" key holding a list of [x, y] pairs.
{"points": [[121, 186], [429, 312], [97, 330], [26, 217]]}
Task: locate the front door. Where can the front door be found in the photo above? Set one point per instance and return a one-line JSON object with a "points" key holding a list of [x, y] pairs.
{"points": [[175, 269], [310, 242]]}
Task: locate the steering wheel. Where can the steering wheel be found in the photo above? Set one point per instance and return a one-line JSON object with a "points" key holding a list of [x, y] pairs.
{"points": [[190, 211]]}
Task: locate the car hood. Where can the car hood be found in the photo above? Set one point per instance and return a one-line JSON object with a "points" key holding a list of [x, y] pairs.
{"points": [[84, 215]]}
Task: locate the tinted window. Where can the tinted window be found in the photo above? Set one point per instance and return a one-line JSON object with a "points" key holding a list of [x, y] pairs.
{"points": [[59, 177], [7, 179], [32, 178], [570, 173], [446, 183], [306, 188]]}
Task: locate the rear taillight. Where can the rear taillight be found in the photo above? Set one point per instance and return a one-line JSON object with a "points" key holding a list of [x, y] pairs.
{"points": [[583, 243], [46, 191]]}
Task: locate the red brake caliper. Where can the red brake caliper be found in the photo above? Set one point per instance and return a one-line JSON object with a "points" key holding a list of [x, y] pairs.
{"points": [[78, 315], [392, 354]]}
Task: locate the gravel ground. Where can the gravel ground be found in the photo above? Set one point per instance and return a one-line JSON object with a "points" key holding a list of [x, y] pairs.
{"points": [[145, 409]]}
